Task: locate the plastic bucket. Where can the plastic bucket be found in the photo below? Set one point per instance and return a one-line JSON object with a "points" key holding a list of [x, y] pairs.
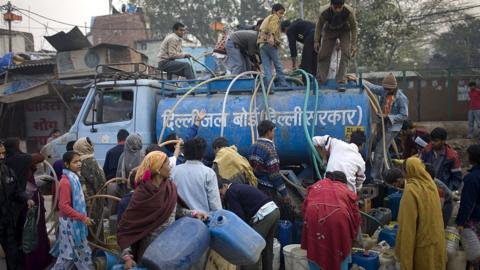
{"points": [[109, 259], [471, 244], [276, 254], [295, 257], [457, 261], [453, 239]]}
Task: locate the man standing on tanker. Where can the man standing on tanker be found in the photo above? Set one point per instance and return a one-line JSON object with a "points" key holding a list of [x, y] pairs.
{"points": [[336, 21]]}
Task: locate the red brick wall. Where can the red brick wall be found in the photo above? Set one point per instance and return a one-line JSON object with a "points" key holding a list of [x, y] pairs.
{"points": [[122, 29]]}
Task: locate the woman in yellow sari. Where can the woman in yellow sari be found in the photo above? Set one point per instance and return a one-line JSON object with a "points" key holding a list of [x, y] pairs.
{"points": [[420, 241]]}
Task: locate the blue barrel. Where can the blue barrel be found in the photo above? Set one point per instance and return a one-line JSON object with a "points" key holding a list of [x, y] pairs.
{"points": [[285, 232], [394, 203], [178, 247], [337, 115], [234, 239], [110, 259], [388, 235], [369, 261], [297, 232]]}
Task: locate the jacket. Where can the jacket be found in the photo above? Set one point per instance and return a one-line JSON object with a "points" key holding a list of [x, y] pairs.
{"points": [[470, 203], [450, 171], [399, 112]]}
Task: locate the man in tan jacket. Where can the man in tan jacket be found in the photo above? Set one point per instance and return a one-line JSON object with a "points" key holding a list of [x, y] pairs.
{"points": [[170, 50]]}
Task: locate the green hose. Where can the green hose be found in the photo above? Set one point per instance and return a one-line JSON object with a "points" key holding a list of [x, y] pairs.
{"points": [[317, 157]]}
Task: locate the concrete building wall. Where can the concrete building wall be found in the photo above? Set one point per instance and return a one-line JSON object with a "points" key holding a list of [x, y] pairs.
{"points": [[121, 29], [150, 48]]}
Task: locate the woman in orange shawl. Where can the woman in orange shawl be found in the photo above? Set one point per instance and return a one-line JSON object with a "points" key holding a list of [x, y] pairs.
{"points": [[152, 209], [420, 243]]}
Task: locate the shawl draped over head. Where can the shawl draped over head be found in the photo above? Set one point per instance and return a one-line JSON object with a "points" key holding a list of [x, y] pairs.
{"points": [[420, 240], [132, 155], [230, 164], [83, 148], [150, 206], [332, 221]]}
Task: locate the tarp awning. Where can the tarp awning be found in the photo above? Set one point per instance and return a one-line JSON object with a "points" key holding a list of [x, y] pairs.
{"points": [[73, 40], [33, 91]]}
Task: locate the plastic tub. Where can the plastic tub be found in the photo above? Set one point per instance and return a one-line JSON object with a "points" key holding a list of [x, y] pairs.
{"points": [[295, 257], [471, 244], [276, 254], [107, 259]]}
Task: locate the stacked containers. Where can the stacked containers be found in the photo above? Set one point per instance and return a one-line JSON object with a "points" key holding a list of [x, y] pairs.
{"points": [[393, 203]]}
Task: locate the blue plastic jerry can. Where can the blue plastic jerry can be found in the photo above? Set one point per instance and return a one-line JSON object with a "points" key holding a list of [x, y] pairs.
{"points": [[234, 239], [180, 246]]}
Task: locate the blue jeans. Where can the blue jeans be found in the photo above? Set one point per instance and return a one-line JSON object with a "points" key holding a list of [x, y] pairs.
{"points": [[236, 61], [269, 54], [473, 119]]}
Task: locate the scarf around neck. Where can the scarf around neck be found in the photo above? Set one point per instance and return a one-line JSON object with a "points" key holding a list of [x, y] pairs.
{"points": [[80, 231]]}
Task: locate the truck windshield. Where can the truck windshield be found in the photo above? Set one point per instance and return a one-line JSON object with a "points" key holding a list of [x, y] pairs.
{"points": [[110, 106]]}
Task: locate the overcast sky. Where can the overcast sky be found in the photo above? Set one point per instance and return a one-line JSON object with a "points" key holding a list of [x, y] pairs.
{"points": [[77, 12]]}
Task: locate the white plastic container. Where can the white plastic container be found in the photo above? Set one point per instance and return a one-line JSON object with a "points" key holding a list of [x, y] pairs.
{"points": [[295, 257], [387, 260], [452, 238], [457, 261], [276, 254], [471, 244]]}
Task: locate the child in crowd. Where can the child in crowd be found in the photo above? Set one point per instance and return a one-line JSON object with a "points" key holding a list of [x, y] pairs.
{"points": [[72, 237]]}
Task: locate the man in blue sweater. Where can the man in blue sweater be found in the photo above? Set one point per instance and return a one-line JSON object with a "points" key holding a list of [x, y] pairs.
{"points": [[265, 163], [469, 212], [256, 209]]}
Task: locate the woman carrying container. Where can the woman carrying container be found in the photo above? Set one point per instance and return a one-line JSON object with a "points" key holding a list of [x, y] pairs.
{"points": [[269, 43], [332, 221], [152, 209], [420, 240], [72, 237]]}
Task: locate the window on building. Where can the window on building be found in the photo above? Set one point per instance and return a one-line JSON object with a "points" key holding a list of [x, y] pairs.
{"points": [[110, 106]]}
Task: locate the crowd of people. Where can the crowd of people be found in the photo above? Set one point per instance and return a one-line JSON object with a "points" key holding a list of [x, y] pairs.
{"points": [[248, 50], [165, 185], [170, 182]]}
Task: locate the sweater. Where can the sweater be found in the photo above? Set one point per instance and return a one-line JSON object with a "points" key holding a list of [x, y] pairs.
{"points": [[245, 200], [111, 161], [298, 31], [345, 20], [65, 201], [474, 95], [470, 203], [266, 165]]}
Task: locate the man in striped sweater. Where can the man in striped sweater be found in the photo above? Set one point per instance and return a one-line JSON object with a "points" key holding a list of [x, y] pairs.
{"points": [[266, 165]]}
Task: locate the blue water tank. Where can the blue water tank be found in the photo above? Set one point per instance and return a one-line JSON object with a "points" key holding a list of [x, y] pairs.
{"points": [[389, 235], [394, 203], [337, 115], [178, 247], [234, 239], [369, 261]]}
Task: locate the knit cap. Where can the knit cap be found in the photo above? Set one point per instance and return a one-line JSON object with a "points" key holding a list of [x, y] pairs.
{"points": [[390, 81]]}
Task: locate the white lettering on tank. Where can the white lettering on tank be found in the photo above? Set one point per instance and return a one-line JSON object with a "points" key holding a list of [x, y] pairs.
{"points": [[280, 118]]}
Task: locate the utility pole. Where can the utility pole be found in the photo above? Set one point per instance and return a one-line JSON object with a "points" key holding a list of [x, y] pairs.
{"points": [[302, 13], [9, 17]]}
